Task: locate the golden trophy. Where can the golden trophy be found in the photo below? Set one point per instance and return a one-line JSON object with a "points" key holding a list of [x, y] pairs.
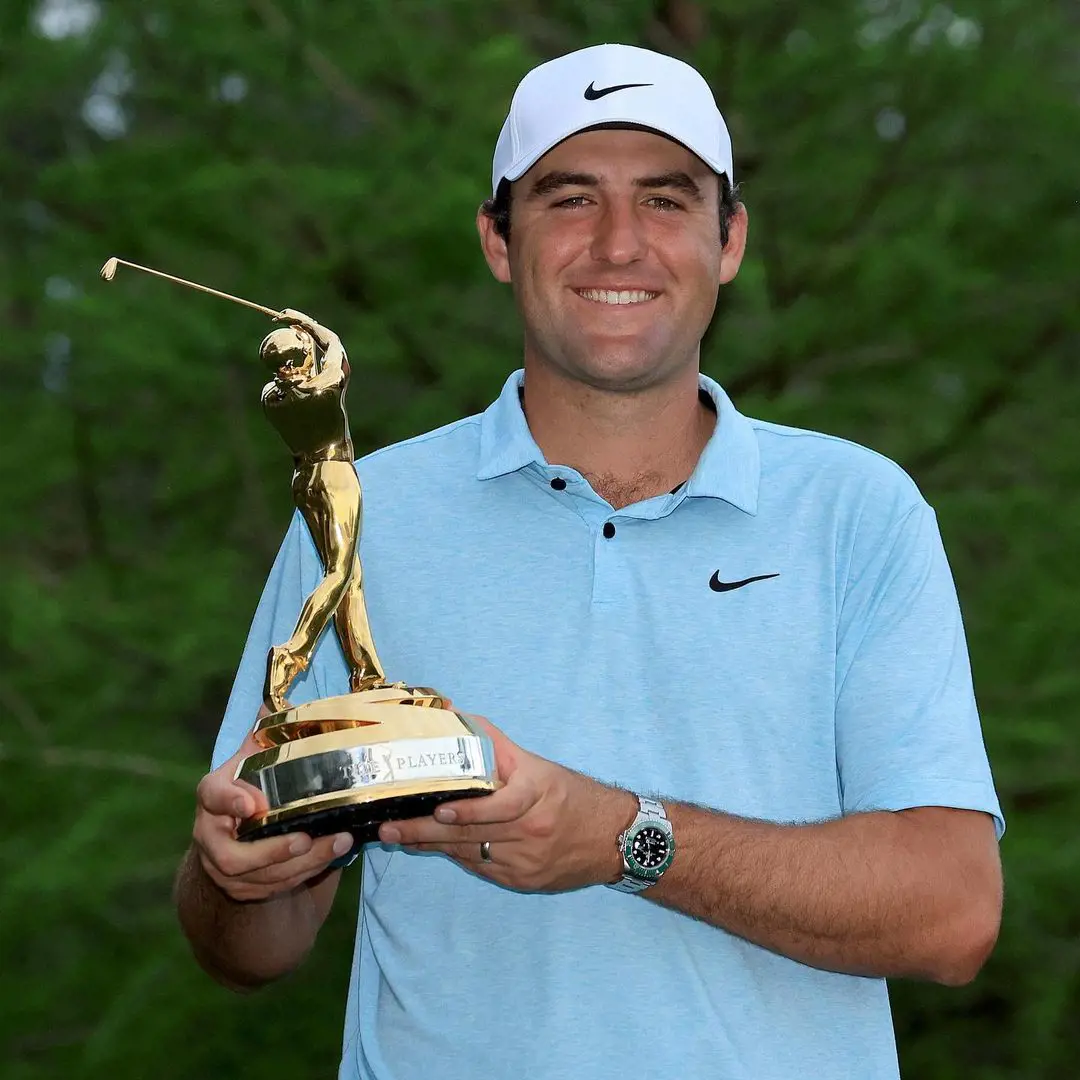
{"points": [[384, 751]]}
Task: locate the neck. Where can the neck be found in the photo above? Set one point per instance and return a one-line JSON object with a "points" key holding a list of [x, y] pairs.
{"points": [[629, 446]]}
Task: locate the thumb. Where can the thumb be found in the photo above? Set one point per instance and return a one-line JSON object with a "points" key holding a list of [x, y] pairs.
{"points": [[507, 752], [221, 793]]}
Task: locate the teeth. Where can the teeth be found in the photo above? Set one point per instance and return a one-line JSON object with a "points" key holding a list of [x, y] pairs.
{"points": [[611, 296]]}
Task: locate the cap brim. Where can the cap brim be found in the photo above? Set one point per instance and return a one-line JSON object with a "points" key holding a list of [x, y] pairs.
{"points": [[520, 167]]}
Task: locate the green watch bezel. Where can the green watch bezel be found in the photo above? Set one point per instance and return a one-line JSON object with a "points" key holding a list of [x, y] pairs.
{"points": [[632, 866]]}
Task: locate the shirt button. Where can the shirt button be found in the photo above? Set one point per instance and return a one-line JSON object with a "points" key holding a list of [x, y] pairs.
{"points": [[609, 530], [559, 484]]}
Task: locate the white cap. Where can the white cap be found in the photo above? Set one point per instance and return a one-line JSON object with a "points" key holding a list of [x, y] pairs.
{"points": [[610, 84]]}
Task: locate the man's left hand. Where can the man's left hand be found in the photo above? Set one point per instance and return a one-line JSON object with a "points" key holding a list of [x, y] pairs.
{"points": [[550, 829]]}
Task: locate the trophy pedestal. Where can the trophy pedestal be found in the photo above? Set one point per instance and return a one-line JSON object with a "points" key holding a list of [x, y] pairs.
{"points": [[349, 763]]}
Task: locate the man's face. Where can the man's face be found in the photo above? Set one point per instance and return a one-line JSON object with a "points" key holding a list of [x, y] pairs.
{"points": [[615, 257]]}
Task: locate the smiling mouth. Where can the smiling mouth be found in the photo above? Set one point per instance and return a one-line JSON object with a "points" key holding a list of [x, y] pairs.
{"points": [[617, 296]]}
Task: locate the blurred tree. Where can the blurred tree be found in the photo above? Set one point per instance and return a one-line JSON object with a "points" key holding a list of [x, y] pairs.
{"points": [[910, 173]]}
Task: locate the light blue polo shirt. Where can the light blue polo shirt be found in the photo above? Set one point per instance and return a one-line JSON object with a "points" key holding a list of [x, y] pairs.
{"points": [[839, 684]]}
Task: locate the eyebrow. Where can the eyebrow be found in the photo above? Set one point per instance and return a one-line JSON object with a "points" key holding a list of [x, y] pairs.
{"points": [[552, 181], [678, 181]]}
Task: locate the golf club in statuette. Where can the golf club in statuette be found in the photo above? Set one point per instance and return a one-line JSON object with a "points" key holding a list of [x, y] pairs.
{"points": [[384, 751]]}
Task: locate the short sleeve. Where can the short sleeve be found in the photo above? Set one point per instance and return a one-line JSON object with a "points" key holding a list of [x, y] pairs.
{"points": [[907, 726], [295, 572]]}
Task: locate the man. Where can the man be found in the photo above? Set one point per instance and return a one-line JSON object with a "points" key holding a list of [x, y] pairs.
{"points": [[305, 401], [749, 632]]}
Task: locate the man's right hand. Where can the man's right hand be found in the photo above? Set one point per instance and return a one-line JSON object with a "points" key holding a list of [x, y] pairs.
{"points": [[260, 869]]}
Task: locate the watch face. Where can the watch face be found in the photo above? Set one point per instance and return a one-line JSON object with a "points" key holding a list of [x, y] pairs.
{"points": [[650, 847]]}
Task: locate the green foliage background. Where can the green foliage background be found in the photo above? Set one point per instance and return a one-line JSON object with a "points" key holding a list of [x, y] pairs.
{"points": [[910, 170]]}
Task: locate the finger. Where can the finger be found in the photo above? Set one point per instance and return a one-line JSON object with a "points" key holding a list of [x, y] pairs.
{"points": [[240, 889], [218, 791], [429, 831], [273, 860], [508, 755], [216, 837], [466, 854], [510, 802], [245, 889], [219, 794], [505, 747], [255, 798], [488, 728], [322, 852]]}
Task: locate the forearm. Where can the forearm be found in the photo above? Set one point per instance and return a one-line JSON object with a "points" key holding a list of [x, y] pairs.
{"points": [[333, 357], [911, 893], [245, 944], [879, 894]]}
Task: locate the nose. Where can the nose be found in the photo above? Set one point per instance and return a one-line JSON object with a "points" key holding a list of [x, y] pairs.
{"points": [[620, 234]]}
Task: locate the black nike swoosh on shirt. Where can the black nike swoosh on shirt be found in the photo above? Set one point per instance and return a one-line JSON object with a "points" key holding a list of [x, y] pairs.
{"points": [[591, 93], [726, 586]]}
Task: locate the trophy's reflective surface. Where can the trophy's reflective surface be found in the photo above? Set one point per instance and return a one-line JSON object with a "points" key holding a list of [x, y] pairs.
{"points": [[385, 751]]}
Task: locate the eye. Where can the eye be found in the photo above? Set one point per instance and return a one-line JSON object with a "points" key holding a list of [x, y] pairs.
{"points": [[572, 202], [662, 202]]}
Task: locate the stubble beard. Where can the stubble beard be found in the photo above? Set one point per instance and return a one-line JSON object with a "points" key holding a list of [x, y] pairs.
{"points": [[628, 367]]}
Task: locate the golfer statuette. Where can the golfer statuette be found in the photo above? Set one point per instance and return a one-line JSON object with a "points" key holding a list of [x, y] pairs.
{"points": [[384, 751]]}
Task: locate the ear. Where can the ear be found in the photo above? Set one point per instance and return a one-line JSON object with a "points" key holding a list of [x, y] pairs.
{"points": [[494, 247], [732, 256]]}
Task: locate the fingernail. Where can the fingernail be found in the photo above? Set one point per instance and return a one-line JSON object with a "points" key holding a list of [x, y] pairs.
{"points": [[389, 835], [300, 844], [342, 843], [446, 815]]}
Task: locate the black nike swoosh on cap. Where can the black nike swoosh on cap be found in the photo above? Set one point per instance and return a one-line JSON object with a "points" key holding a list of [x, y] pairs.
{"points": [[726, 586], [591, 93]]}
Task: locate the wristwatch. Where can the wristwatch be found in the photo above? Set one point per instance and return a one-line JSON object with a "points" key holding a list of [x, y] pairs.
{"points": [[647, 847]]}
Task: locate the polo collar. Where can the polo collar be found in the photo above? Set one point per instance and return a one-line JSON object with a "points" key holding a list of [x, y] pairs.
{"points": [[729, 467], [506, 443]]}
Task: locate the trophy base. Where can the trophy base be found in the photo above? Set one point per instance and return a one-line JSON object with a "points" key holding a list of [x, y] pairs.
{"points": [[349, 763], [361, 819]]}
